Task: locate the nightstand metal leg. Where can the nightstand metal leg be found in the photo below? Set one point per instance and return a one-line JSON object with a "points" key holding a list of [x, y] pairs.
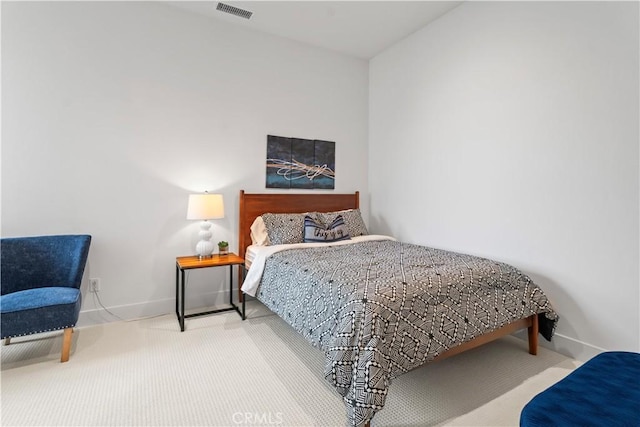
{"points": [[231, 284], [177, 294], [182, 302]]}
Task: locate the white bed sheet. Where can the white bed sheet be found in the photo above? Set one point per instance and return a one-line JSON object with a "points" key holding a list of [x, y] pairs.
{"points": [[250, 255], [256, 257]]}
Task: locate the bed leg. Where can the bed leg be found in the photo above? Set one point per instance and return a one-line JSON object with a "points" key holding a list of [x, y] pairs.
{"points": [[533, 335]]}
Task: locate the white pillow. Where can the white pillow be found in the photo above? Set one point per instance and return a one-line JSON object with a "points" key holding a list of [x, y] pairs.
{"points": [[259, 234]]}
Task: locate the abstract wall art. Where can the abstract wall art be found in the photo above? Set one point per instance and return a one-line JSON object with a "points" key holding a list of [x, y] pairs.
{"points": [[300, 163]]}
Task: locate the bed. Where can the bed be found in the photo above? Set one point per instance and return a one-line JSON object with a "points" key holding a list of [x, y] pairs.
{"points": [[378, 307]]}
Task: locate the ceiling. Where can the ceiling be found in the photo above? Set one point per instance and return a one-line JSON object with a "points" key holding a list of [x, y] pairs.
{"points": [[356, 28]]}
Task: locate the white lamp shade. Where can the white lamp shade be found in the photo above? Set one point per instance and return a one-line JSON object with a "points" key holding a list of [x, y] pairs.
{"points": [[205, 206]]}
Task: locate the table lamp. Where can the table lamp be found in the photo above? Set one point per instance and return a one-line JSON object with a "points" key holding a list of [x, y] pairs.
{"points": [[205, 207]]}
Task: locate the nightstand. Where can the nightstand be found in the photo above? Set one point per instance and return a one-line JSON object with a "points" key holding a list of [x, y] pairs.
{"points": [[193, 262]]}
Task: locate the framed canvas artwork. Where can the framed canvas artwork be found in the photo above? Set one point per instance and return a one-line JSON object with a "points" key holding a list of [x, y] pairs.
{"points": [[300, 163]]}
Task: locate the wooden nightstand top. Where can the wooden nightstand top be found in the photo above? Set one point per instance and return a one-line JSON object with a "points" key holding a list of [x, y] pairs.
{"points": [[189, 262]]}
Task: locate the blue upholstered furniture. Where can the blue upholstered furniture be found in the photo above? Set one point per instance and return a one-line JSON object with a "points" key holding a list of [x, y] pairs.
{"points": [[40, 281], [603, 392]]}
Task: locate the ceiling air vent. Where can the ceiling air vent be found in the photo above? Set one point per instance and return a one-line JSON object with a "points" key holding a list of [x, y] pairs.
{"points": [[234, 10]]}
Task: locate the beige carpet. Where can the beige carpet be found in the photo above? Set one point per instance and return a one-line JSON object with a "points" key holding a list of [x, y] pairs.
{"points": [[225, 372]]}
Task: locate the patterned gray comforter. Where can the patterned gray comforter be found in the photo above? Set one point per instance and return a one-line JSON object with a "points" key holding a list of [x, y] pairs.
{"points": [[381, 308]]}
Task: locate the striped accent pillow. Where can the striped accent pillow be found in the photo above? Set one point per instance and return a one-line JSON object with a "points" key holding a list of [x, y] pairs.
{"points": [[315, 231]]}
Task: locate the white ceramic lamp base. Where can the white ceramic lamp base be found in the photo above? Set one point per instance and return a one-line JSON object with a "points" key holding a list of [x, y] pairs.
{"points": [[205, 246]]}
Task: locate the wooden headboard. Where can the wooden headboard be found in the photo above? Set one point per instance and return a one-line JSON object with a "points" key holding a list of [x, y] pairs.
{"points": [[252, 205]]}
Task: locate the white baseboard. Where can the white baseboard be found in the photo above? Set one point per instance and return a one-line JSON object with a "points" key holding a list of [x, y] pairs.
{"points": [[96, 316], [567, 346]]}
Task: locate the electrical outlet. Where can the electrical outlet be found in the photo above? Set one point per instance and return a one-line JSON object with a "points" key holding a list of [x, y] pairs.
{"points": [[94, 285]]}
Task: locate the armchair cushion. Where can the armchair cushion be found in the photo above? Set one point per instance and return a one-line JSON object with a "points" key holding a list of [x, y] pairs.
{"points": [[39, 297], [39, 310]]}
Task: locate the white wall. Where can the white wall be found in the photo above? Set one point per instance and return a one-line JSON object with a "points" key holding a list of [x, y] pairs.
{"points": [[510, 130], [113, 112]]}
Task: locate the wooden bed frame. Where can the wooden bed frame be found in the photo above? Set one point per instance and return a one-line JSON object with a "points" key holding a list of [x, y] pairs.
{"points": [[253, 205]]}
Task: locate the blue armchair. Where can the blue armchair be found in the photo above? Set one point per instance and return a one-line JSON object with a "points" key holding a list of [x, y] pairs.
{"points": [[40, 285]]}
